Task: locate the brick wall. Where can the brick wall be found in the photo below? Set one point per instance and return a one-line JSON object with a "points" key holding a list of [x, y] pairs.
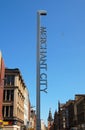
{"points": [[2, 69]]}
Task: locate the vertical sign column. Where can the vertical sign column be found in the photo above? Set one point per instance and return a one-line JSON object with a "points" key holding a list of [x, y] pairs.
{"points": [[41, 77]]}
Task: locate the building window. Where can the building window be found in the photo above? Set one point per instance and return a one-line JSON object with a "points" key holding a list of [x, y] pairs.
{"points": [[12, 80], [9, 79], [81, 117], [11, 111], [8, 95], [7, 111], [12, 95]]}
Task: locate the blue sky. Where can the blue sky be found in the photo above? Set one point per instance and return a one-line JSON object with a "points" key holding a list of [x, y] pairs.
{"points": [[65, 22]]}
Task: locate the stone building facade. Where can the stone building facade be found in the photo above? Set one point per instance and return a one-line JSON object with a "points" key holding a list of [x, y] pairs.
{"points": [[71, 115], [13, 100], [50, 121]]}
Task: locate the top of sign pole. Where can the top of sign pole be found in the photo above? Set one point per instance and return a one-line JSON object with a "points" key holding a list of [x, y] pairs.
{"points": [[42, 12]]}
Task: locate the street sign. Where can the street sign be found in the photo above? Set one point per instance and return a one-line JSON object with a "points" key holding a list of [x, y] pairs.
{"points": [[5, 122]]}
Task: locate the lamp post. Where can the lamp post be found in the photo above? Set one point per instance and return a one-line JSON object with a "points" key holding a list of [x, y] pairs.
{"points": [[38, 121]]}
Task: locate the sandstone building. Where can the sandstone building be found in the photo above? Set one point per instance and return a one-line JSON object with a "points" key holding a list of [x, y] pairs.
{"points": [[13, 100]]}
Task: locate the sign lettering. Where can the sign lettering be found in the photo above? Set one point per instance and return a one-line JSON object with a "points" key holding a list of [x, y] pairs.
{"points": [[43, 58]]}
